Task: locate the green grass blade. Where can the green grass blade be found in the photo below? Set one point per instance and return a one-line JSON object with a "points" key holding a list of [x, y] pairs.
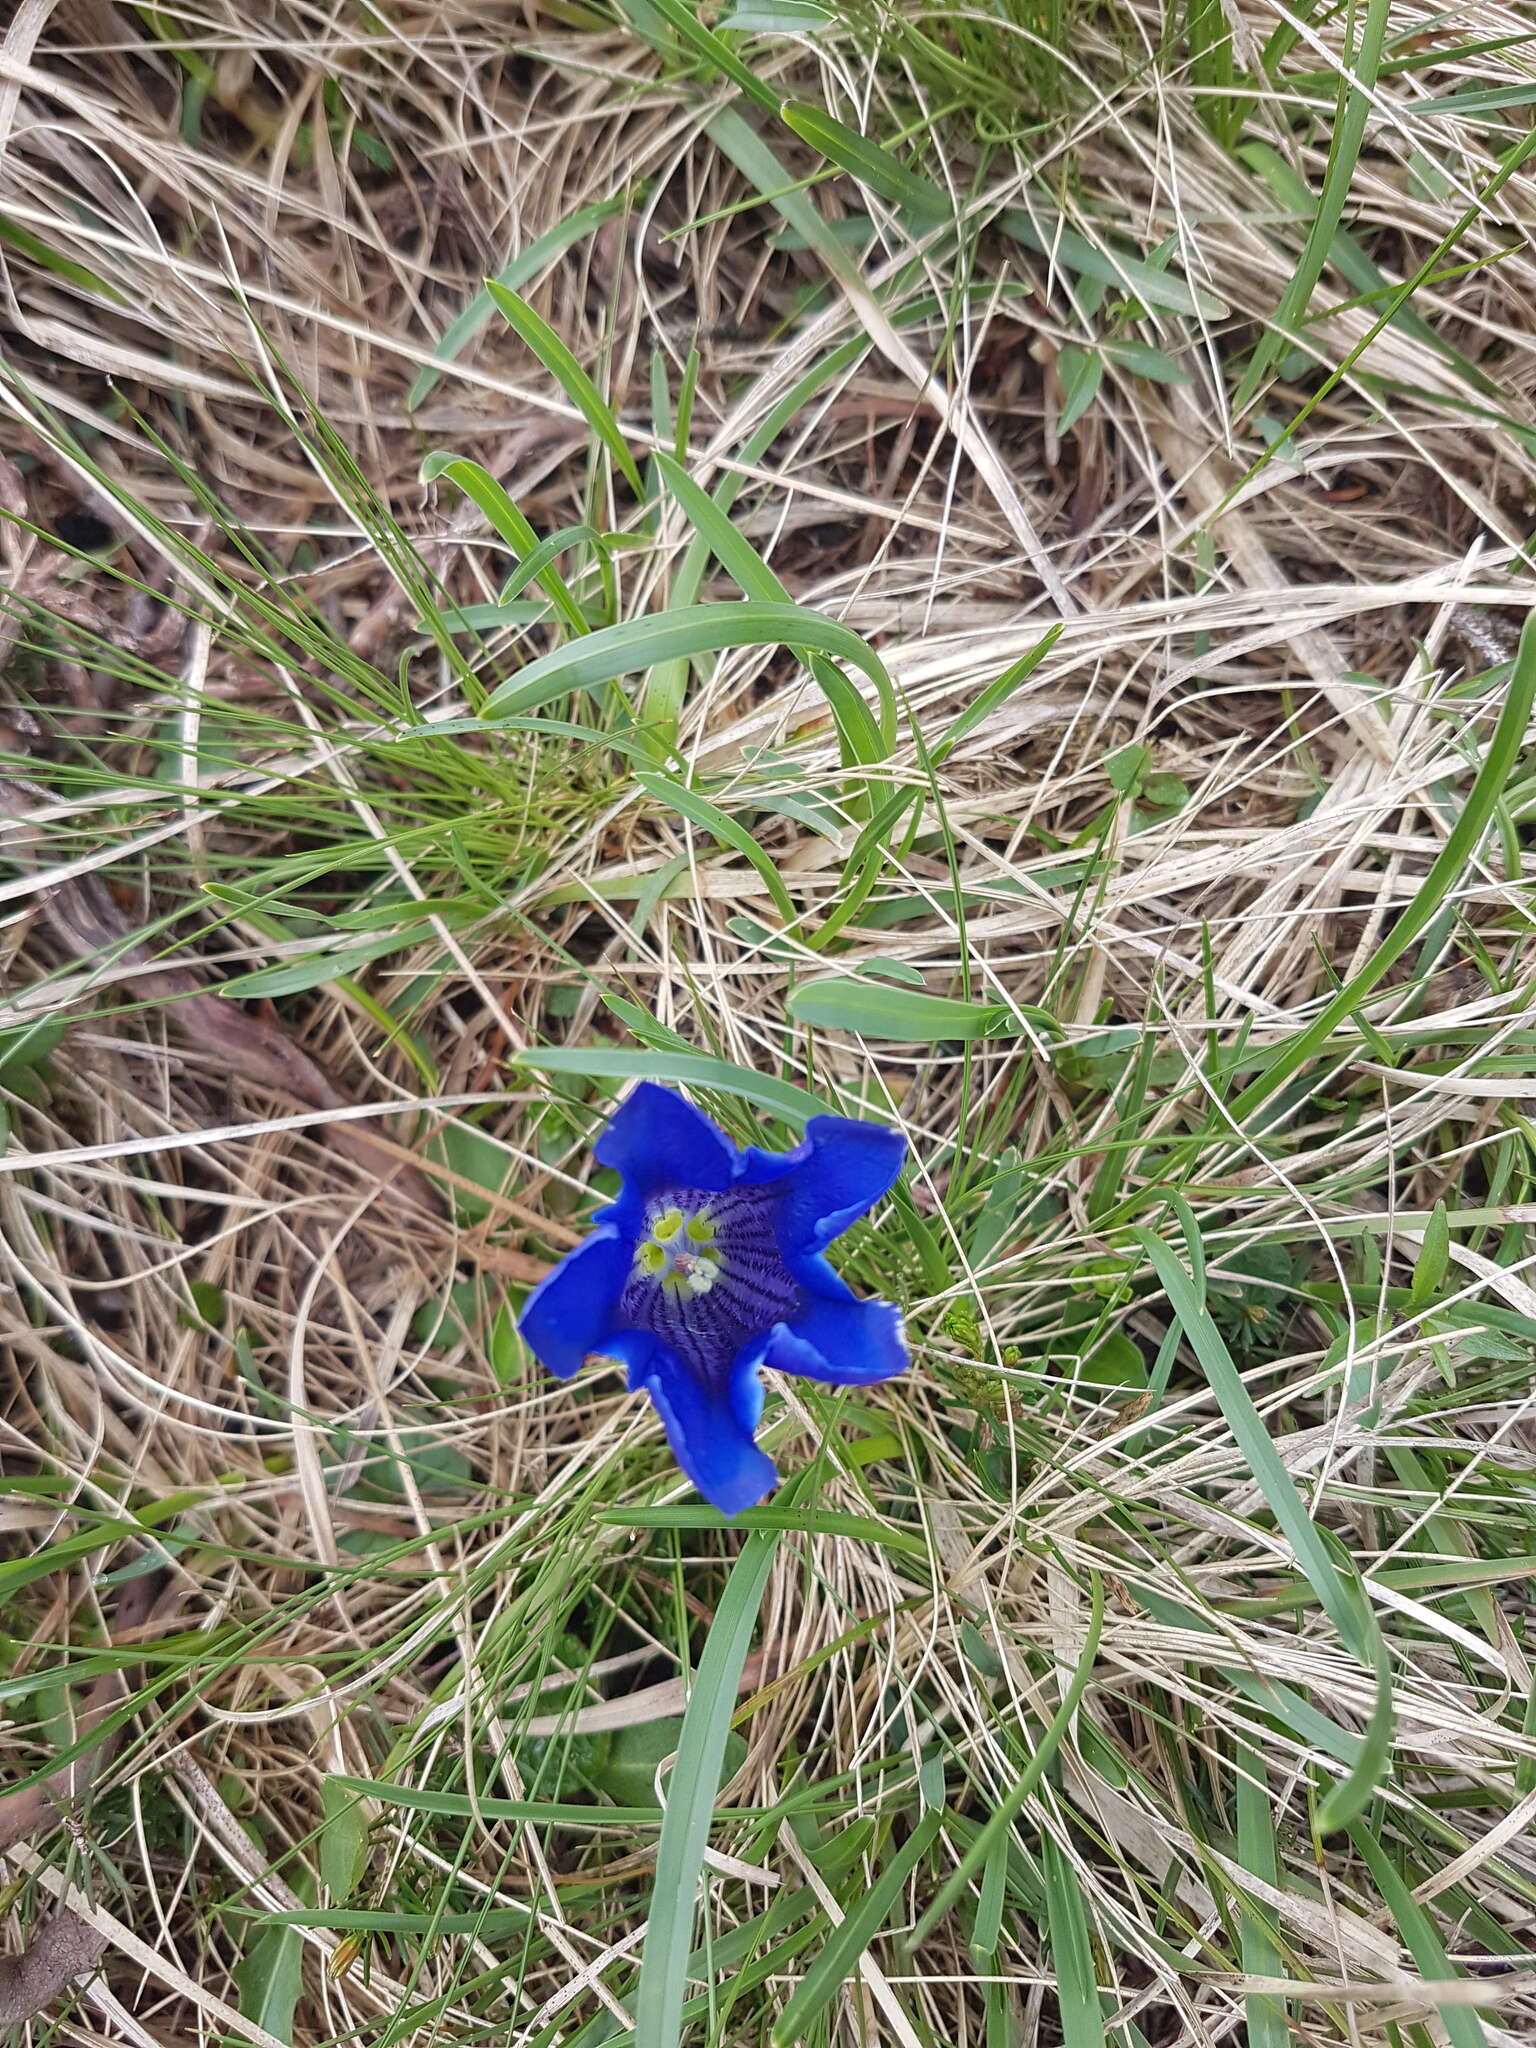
{"points": [[1343, 155], [1449, 865], [536, 334], [506, 519], [637, 644], [995, 1828], [1254, 1441], [524, 268], [863, 739], [1417, 1933], [698, 810], [845, 1945], [690, 1799], [869, 163], [1256, 1851], [1077, 1987], [692, 1069], [875, 1009], [1163, 289]]}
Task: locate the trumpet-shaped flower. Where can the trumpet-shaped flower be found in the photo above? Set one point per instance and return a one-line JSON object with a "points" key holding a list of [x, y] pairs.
{"points": [[708, 1266]]}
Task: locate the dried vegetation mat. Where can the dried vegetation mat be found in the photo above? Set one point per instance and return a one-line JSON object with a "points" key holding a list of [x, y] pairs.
{"points": [[971, 568]]}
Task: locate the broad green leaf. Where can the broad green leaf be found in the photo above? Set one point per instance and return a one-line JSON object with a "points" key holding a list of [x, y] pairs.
{"points": [[343, 1839], [876, 1010], [692, 1069], [638, 644], [775, 18]]}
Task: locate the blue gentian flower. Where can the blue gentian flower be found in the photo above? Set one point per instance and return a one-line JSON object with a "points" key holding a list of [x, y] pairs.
{"points": [[709, 1266]]}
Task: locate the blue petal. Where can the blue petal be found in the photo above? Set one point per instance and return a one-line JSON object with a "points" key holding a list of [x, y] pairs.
{"points": [[710, 1429], [836, 1337], [842, 1169], [571, 1311], [655, 1138]]}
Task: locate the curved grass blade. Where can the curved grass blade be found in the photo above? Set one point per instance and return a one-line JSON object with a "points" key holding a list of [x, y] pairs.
{"points": [[523, 269], [477, 483], [998, 1822], [637, 644], [1355, 89], [694, 1069], [862, 739], [875, 1009], [698, 810], [536, 333], [1338, 1590], [1462, 841], [870, 163]]}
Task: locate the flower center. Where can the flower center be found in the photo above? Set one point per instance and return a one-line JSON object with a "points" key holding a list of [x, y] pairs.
{"points": [[680, 1253]]}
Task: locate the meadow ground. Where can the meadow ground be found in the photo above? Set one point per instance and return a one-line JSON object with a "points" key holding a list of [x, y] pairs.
{"points": [[971, 568]]}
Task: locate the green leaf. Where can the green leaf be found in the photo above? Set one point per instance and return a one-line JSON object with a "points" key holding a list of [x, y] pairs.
{"points": [[1445, 873], [1356, 90], [1081, 372], [997, 1824], [805, 1521], [1417, 1933], [637, 644], [987, 701], [536, 333], [628, 1772], [698, 809], [542, 1813], [718, 55], [1256, 1852], [1489, 100], [478, 484], [343, 1839], [1125, 767], [862, 739], [1072, 251], [523, 269], [1433, 1262], [691, 1793], [775, 18], [876, 1010], [845, 1945], [692, 1069], [870, 163], [293, 977], [1077, 1990], [26, 1046]]}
